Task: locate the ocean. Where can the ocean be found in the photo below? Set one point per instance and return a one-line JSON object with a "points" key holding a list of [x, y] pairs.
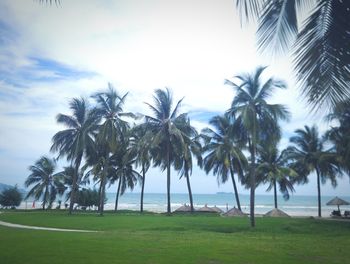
{"points": [[297, 205]]}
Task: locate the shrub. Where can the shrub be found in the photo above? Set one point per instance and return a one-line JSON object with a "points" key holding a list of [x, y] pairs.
{"points": [[11, 197]]}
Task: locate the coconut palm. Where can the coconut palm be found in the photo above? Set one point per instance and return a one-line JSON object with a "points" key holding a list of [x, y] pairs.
{"points": [[46, 183], [140, 148], [272, 168], [110, 109], [309, 155], [321, 45], [258, 120], [168, 130], [123, 171], [74, 141], [339, 134], [224, 152], [184, 161]]}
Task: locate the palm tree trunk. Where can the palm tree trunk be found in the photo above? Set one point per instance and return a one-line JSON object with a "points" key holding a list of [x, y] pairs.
{"points": [[102, 195], [252, 188], [74, 183], [235, 188], [168, 177], [318, 192], [45, 196], [117, 196], [143, 187], [189, 191], [275, 192]]}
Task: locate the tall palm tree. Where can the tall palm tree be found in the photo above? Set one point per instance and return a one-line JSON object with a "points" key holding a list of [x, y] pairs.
{"points": [[309, 155], [224, 151], [74, 141], [140, 144], [168, 130], [258, 119], [46, 183], [321, 45], [272, 168], [110, 109]]}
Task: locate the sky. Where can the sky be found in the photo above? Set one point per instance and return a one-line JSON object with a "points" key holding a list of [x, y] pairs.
{"points": [[50, 54]]}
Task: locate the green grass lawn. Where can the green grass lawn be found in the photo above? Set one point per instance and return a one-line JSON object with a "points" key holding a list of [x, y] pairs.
{"points": [[150, 238]]}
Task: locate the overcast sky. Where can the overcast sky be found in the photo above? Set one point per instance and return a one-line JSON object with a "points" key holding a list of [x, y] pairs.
{"points": [[50, 54]]}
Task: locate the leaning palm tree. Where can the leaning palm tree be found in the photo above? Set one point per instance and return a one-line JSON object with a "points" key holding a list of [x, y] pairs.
{"points": [[321, 45], [272, 169], [168, 130], [110, 109], [46, 183], [140, 147], [224, 151], [309, 155], [74, 141], [258, 120]]}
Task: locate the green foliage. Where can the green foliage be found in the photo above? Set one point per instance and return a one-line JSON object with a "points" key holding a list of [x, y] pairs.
{"points": [[11, 197], [88, 198]]}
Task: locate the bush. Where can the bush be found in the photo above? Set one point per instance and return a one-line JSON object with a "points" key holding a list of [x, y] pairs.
{"points": [[11, 197], [88, 198]]}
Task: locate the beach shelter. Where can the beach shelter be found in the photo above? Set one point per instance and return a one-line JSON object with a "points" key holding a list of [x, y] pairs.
{"points": [[234, 212], [184, 208], [337, 201], [217, 209], [207, 209], [276, 213]]}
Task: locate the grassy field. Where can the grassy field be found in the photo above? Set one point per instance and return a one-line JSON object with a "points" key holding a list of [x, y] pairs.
{"points": [[133, 238]]}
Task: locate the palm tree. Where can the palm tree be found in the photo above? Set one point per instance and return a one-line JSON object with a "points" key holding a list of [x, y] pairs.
{"points": [[225, 156], [123, 171], [309, 155], [140, 148], [321, 45], [168, 130], [257, 119], [339, 134], [46, 183], [74, 141], [110, 109], [272, 168], [184, 161]]}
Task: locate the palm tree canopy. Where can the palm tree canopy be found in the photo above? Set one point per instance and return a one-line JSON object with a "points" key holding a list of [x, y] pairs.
{"points": [[78, 136], [273, 167], [249, 106], [321, 45], [309, 154], [168, 129], [42, 176], [222, 148]]}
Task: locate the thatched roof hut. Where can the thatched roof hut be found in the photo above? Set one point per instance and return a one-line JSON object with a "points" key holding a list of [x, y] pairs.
{"points": [[276, 213], [234, 212], [184, 208], [207, 209], [217, 209]]}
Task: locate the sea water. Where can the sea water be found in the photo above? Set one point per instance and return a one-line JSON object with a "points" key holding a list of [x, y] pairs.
{"points": [[297, 205]]}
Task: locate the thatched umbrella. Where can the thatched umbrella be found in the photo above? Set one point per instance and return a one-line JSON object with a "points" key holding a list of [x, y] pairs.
{"points": [[207, 209], [184, 208], [234, 212], [217, 209], [337, 201], [276, 213]]}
